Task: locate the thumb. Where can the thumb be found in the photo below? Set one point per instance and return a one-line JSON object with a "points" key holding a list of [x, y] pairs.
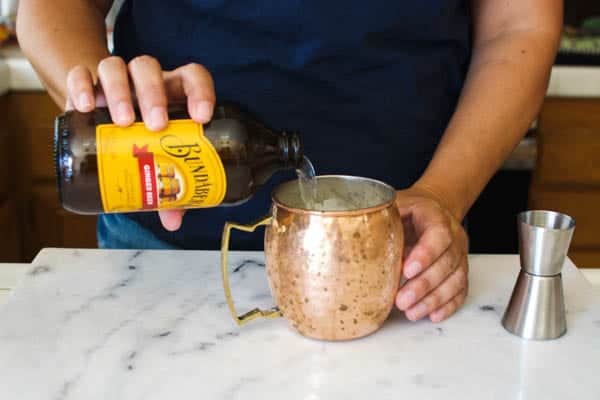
{"points": [[405, 202], [171, 219]]}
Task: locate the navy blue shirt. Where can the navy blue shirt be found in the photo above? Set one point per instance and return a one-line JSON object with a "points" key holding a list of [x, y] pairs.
{"points": [[369, 85]]}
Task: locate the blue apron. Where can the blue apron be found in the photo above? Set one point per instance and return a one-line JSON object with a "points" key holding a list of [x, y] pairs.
{"points": [[370, 86]]}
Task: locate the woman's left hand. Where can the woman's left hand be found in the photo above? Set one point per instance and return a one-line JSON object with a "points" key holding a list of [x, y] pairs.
{"points": [[435, 256]]}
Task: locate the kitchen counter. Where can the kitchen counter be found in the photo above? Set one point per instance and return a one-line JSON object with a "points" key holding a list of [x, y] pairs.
{"points": [[574, 81], [4, 77], [19, 74], [92, 324]]}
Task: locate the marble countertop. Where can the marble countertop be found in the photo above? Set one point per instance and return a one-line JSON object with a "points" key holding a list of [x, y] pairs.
{"points": [[93, 324], [565, 81]]}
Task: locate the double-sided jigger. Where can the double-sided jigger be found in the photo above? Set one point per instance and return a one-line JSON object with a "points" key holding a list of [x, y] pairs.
{"points": [[536, 309]]}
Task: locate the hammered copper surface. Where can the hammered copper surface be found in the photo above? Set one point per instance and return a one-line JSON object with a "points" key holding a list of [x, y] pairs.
{"points": [[334, 277]]}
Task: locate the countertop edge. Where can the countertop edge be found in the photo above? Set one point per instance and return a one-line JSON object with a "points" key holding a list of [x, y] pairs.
{"points": [[22, 76], [574, 81], [4, 77]]}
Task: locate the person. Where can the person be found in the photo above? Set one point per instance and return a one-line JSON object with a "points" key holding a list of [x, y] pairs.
{"points": [[430, 97]]}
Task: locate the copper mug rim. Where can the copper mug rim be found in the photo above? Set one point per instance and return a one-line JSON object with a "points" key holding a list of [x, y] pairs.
{"points": [[337, 213]]}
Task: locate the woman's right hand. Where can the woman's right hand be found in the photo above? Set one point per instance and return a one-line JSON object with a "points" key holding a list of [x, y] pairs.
{"points": [[118, 84]]}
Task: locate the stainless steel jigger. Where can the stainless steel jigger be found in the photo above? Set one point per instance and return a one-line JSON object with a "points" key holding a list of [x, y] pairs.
{"points": [[536, 309]]}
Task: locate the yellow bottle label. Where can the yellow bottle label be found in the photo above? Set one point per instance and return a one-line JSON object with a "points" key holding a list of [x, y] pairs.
{"points": [[141, 170]]}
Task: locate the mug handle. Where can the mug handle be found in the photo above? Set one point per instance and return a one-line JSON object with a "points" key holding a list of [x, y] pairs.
{"points": [[255, 313]]}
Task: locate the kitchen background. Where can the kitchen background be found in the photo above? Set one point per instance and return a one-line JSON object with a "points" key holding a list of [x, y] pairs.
{"points": [[556, 166]]}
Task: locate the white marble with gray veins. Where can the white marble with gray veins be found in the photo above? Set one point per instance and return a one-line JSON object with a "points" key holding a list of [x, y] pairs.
{"points": [[92, 324]]}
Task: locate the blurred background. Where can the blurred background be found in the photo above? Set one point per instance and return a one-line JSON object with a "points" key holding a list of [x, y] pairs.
{"points": [[556, 166]]}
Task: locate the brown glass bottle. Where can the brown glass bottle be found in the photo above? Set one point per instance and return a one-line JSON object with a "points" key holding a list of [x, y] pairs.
{"points": [[249, 155]]}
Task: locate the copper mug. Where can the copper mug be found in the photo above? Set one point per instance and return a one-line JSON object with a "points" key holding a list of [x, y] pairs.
{"points": [[334, 268]]}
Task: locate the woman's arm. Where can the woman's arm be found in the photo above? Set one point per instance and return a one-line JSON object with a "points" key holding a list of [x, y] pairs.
{"points": [[515, 43], [65, 40], [58, 35]]}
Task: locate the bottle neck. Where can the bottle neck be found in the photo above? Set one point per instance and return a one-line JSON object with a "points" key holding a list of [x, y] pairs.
{"points": [[291, 149]]}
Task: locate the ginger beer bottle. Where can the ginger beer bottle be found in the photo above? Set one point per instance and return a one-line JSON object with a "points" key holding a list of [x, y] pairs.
{"points": [[103, 168]]}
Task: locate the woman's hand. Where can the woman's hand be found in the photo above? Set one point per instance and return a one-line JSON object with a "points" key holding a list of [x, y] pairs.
{"points": [[118, 84], [435, 257]]}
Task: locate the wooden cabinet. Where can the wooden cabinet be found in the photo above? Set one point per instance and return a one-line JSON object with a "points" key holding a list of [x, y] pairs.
{"points": [[569, 143], [32, 199], [32, 122], [5, 161], [567, 173], [49, 225], [10, 244], [10, 235]]}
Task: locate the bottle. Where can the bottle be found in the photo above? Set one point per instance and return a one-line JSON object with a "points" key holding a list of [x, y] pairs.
{"points": [[103, 168]]}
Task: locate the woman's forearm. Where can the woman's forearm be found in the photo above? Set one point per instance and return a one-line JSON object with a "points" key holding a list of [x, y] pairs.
{"points": [[504, 89], [59, 34]]}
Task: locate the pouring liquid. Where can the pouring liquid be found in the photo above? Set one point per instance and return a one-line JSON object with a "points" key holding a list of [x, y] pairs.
{"points": [[328, 194], [307, 183]]}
